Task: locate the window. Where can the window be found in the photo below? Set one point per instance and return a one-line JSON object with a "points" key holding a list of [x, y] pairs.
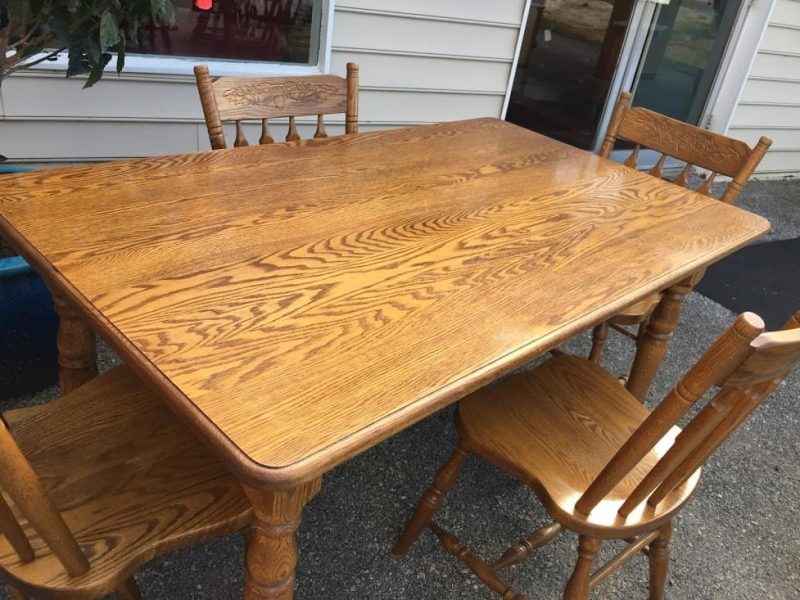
{"points": [[233, 37], [282, 31]]}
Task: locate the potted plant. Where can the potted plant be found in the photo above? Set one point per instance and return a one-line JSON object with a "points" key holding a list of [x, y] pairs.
{"points": [[91, 32]]}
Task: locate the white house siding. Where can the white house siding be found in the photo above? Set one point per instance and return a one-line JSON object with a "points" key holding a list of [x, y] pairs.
{"points": [[770, 100], [421, 62]]}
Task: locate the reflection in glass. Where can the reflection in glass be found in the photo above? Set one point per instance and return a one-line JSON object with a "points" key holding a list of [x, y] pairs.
{"points": [[254, 30], [569, 54], [682, 56]]}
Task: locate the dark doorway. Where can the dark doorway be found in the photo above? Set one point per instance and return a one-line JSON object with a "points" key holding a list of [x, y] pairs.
{"points": [[568, 57]]}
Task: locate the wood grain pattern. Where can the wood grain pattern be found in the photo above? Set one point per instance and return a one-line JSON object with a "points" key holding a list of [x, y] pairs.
{"points": [[21, 484], [266, 97], [262, 98], [602, 464], [299, 303], [694, 146], [127, 482], [272, 547], [556, 435]]}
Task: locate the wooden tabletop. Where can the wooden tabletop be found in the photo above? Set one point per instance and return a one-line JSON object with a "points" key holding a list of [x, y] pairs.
{"points": [[300, 302]]}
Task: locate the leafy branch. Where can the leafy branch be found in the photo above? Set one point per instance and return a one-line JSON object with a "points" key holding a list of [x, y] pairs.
{"points": [[90, 31]]}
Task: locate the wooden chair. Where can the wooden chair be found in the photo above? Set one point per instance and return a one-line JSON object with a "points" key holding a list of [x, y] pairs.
{"points": [[687, 143], [602, 464], [100, 481], [239, 99]]}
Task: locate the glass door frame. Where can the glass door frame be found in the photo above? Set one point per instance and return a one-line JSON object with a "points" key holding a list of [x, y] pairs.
{"points": [[634, 47]]}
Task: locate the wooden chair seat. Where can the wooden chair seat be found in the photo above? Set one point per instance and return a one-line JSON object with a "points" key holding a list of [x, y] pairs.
{"points": [[636, 313], [601, 463], [556, 428], [130, 481]]}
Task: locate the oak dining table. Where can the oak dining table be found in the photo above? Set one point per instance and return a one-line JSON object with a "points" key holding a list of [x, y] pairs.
{"points": [[299, 303]]}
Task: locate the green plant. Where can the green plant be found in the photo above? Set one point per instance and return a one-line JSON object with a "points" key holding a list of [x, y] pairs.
{"points": [[90, 31]]}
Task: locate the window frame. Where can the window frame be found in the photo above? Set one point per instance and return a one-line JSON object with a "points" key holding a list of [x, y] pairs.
{"points": [[146, 64]]}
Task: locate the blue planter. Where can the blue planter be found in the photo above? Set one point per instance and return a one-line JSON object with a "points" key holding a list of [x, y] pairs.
{"points": [[28, 324]]}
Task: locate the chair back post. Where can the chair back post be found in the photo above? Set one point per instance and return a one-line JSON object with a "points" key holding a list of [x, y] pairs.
{"points": [[241, 99], [623, 102], [205, 87], [24, 487], [719, 361], [351, 116], [741, 178], [692, 145]]}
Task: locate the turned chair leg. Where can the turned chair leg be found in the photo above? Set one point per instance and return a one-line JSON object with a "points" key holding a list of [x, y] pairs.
{"points": [[432, 499], [659, 561], [16, 593], [129, 590], [599, 335], [578, 585], [247, 537]]}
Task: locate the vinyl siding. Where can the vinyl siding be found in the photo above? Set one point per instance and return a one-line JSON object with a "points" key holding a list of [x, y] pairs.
{"points": [[429, 62], [770, 100]]}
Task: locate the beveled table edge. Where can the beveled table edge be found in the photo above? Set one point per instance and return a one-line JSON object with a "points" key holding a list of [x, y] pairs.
{"points": [[313, 466]]}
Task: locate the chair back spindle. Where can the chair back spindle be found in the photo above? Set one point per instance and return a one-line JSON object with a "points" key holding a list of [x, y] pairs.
{"points": [[747, 364], [239, 99], [266, 137], [320, 132], [658, 168], [772, 356], [632, 160], [683, 176], [240, 139], [292, 135], [694, 146], [23, 486]]}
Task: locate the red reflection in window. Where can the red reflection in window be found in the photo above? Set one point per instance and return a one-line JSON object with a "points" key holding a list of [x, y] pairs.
{"points": [[250, 30]]}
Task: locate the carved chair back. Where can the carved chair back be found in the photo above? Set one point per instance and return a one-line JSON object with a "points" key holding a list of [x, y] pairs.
{"points": [[692, 145], [747, 365], [23, 486], [238, 99]]}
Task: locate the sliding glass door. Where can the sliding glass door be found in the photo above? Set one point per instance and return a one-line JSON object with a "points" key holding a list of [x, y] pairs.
{"points": [[576, 56], [682, 56]]}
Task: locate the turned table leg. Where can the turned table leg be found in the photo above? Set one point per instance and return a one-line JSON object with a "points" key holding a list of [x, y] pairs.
{"points": [[656, 339], [272, 546], [77, 353]]}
